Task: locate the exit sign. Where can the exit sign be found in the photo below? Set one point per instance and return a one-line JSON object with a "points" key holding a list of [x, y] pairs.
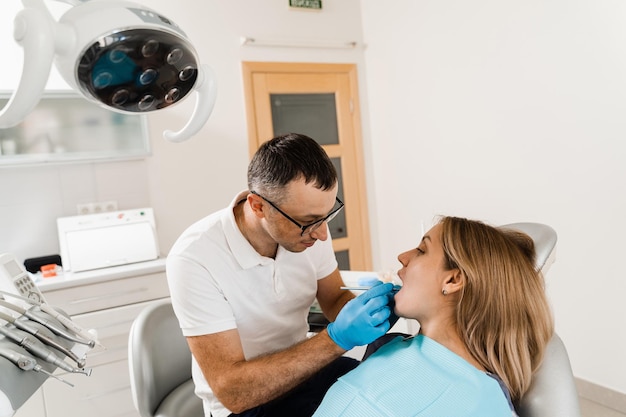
{"points": [[306, 4]]}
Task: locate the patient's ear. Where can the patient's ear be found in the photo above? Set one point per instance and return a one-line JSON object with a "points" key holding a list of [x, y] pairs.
{"points": [[454, 281]]}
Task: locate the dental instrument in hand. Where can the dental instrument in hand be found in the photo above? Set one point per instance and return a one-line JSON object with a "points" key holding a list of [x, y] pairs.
{"points": [[359, 288], [27, 363], [33, 346], [363, 284], [47, 323], [43, 338], [395, 289], [68, 323]]}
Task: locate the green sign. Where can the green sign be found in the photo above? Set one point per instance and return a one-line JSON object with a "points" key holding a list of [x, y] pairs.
{"points": [[306, 4]]}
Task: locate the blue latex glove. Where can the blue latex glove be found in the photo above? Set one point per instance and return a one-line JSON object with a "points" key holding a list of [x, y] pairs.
{"points": [[363, 319], [393, 318]]}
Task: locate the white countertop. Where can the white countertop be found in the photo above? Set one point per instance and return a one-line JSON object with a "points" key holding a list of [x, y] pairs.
{"points": [[72, 279]]}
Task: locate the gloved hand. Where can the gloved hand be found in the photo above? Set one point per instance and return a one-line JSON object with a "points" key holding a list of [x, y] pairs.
{"points": [[363, 319], [393, 318]]}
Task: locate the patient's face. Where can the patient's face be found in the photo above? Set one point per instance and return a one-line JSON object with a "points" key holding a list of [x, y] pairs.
{"points": [[422, 276]]}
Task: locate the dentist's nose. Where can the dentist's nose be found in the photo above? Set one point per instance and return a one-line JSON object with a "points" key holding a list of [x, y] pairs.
{"points": [[321, 233]]}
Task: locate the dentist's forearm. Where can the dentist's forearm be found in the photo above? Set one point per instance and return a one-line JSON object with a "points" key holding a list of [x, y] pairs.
{"points": [[248, 384]]}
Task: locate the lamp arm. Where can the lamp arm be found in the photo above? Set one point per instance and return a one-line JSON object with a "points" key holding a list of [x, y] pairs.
{"points": [[34, 31], [206, 93]]}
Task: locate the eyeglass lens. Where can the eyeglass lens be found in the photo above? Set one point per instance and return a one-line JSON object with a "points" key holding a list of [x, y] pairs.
{"points": [[313, 227]]}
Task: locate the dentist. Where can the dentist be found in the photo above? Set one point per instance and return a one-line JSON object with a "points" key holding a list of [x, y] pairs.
{"points": [[242, 281]]}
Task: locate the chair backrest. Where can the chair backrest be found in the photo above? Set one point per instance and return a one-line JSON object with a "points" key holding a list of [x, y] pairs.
{"points": [[545, 239], [160, 362], [553, 390]]}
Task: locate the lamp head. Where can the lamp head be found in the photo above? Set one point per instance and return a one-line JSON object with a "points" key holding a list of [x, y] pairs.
{"points": [[118, 54]]}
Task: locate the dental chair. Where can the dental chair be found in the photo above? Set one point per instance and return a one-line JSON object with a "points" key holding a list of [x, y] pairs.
{"points": [[553, 391], [160, 365], [160, 361]]}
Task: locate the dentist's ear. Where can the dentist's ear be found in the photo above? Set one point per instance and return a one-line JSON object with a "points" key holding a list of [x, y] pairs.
{"points": [[256, 204]]}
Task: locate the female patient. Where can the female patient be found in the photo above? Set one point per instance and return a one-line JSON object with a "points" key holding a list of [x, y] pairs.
{"points": [[484, 325]]}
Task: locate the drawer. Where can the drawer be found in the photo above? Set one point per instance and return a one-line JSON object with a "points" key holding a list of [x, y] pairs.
{"points": [[112, 326], [108, 294]]}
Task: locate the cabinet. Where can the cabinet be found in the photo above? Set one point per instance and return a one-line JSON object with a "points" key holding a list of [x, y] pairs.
{"points": [[108, 305]]}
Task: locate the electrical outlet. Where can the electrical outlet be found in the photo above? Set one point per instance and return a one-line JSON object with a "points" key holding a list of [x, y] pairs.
{"points": [[96, 207], [84, 208], [110, 205]]}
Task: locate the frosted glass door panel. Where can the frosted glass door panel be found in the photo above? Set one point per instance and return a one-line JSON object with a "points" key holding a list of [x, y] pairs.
{"points": [[343, 260], [337, 226], [314, 115]]}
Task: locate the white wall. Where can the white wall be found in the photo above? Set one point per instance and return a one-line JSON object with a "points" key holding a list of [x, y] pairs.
{"points": [[510, 111], [494, 110]]}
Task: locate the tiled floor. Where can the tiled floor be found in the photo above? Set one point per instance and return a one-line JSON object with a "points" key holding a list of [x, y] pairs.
{"points": [[592, 409]]}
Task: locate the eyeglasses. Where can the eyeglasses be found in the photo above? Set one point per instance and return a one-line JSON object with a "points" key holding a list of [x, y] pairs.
{"points": [[311, 227]]}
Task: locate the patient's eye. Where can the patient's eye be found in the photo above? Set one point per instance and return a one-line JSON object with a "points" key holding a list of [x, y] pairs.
{"points": [[420, 251]]}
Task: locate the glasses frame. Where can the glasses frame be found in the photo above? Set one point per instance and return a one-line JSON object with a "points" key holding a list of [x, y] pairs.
{"points": [[311, 226]]}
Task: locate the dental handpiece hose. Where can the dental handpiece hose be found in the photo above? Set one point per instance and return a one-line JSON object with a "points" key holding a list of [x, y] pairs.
{"points": [[27, 363], [42, 337], [31, 346], [68, 323], [47, 323]]}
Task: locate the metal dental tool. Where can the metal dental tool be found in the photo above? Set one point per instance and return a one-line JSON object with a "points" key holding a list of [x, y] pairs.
{"points": [[47, 323], [42, 337], [33, 346], [359, 288], [27, 363], [68, 323]]}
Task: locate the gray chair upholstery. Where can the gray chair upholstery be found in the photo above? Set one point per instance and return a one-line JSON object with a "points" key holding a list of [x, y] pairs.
{"points": [[553, 391], [160, 365]]}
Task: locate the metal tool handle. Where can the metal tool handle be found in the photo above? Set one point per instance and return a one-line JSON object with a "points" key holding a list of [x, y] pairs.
{"points": [[57, 330], [49, 341]]}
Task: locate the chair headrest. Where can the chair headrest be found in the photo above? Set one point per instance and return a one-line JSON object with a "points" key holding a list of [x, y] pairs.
{"points": [[545, 239]]}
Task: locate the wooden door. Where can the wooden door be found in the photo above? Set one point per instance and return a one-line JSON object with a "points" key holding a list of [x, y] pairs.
{"points": [[320, 101]]}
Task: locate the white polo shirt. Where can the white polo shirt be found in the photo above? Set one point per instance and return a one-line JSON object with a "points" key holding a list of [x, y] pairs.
{"points": [[218, 282]]}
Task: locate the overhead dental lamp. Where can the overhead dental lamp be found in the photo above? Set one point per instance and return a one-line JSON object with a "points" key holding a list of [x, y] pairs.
{"points": [[118, 54]]}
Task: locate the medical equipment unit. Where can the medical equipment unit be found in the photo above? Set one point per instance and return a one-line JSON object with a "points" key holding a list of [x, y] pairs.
{"points": [[118, 54], [102, 240], [35, 338]]}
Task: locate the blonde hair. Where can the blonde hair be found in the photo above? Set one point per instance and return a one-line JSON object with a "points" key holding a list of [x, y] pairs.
{"points": [[502, 313]]}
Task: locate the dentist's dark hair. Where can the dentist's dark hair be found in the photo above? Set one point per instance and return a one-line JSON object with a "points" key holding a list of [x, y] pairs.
{"points": [[286, 158]]}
